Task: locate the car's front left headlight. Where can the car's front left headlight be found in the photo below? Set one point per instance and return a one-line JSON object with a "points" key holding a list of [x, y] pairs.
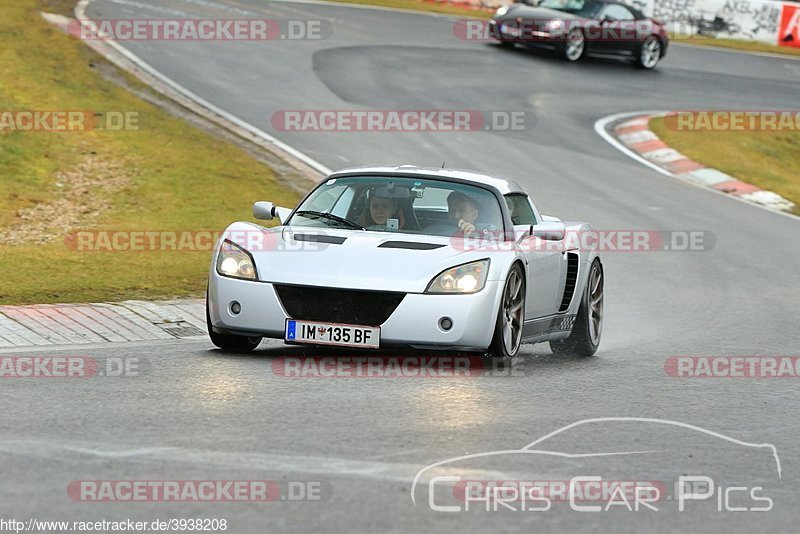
{"points": [[235, 262], [502, 10], [466, 278]]}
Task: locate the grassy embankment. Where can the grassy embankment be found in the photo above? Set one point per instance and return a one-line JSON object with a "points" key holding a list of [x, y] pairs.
{"points": [[768, 159], [167, 175]]}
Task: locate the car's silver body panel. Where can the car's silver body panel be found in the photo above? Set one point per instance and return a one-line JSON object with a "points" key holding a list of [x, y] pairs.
{"points": [[360, 263]]}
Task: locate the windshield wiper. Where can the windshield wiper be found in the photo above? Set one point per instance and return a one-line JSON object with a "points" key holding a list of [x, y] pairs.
{"points": [[331, 217]]}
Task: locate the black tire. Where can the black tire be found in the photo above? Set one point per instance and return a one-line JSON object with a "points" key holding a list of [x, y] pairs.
{"points": [[582, 342], [507, 44], [500, 349], [231, 342], [574, 36], [654, 47]]}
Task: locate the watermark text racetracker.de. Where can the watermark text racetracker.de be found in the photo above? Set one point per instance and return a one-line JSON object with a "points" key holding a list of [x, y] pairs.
{"points": [[546, 30], [256, 240], [199, 491], [141, 240], [732, 120], [733, 367], [533, 30], [401, 120], [202, 29], [66, 366], [402, 366], [59, 121], [597, 240]]}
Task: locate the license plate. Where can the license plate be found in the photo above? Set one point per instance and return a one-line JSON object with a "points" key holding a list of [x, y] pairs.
{"points": [[511, 31], [342, 335]]}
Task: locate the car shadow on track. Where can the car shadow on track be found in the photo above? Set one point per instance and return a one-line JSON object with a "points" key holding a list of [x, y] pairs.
{"points": [[587, 63]]}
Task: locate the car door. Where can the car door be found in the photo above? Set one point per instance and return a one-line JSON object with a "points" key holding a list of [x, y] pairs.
{"points": [[618, 29], [545, 267]]}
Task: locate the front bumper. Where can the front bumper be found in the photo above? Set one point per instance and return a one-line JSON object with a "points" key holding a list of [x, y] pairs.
{"points": [[511, 32], [414, 323]]}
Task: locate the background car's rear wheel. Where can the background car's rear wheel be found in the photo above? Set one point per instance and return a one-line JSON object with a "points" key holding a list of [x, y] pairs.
{"points": [[585, 336], [508, 329], [231, 342], [574, 46], [649, 53]]}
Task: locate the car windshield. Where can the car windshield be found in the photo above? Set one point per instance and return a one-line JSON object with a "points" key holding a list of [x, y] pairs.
{"points": [[409, 205], [582, 8]]}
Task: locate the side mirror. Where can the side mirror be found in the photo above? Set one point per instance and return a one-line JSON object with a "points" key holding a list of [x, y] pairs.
{"points": [[521, 231], [550, 231], [550, 218], [266, 211]]}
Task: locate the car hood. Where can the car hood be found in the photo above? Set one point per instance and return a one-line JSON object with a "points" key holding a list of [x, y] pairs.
{"points": [[358, 259]]}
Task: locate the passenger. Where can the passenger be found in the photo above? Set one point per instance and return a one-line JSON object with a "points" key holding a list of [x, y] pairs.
{"points": [[463, 210]]}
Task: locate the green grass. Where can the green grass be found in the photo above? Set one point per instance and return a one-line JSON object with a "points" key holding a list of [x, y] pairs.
{"points": [[770, 160], [177, 177]]}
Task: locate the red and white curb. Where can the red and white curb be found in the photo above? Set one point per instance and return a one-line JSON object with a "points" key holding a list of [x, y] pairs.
{"points": [[71, 324], [630, 133]]}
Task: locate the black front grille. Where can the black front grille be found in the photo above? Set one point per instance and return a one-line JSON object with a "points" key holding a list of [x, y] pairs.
{"points": [[368, 308]]}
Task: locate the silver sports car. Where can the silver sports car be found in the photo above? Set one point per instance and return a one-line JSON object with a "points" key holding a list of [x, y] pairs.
{"points": [[434, 259]]}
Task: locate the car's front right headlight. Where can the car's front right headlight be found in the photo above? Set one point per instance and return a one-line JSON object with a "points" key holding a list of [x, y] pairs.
{"points": [[502, 10], [235, 262], [467, 278]]}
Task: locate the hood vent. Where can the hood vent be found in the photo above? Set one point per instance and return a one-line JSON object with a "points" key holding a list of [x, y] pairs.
{"points": [[320, 238], [410, 245]]}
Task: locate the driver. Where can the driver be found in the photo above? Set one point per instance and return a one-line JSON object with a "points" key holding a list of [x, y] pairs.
{"points": [[380, 208]]}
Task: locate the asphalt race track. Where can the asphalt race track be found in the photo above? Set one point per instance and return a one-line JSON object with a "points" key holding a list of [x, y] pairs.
{"points": [[199, 414]]}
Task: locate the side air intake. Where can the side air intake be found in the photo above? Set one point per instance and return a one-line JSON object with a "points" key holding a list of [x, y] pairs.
{"points": [[572, 279]]}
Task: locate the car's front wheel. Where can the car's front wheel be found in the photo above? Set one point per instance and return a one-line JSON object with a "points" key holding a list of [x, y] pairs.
{"points": [[230, 342], [574, 46], [508, 328], [585, 337], [649, 53]]}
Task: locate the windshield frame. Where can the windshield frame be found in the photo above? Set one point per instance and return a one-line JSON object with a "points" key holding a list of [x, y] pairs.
{"points": [[507, 230], [600, 5]]}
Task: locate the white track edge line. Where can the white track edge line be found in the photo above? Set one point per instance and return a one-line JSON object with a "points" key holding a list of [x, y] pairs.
{"points": [[80, 14]]}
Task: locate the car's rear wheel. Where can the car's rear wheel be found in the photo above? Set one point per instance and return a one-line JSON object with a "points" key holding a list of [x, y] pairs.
{"points": [[574, 46], [649, 53], [508, 328], [585, 337], [231, 342]]}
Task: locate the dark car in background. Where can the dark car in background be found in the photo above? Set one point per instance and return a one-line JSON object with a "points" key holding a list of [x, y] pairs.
{"points": [[576, 28]]}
